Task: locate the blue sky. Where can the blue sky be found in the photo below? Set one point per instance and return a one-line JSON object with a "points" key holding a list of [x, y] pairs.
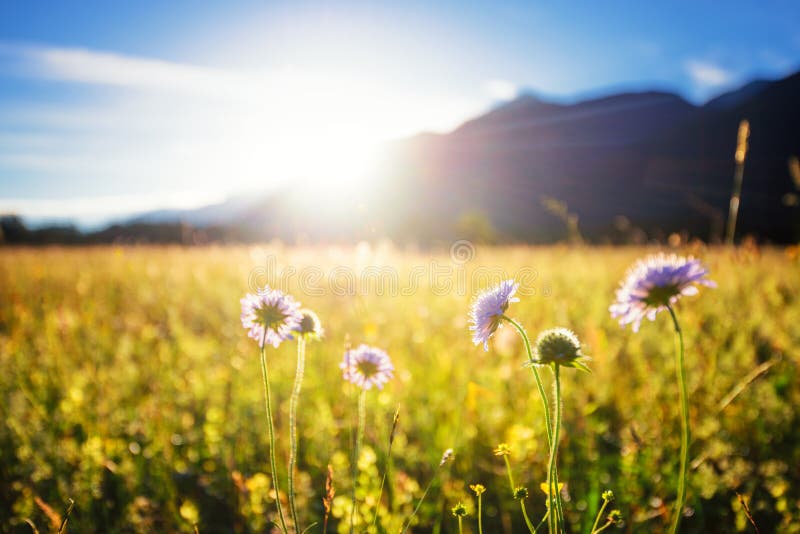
{"points": [[110, 108]]}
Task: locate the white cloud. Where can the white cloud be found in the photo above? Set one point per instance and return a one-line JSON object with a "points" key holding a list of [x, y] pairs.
{"points": [[708, 75], [501, 89], [107, 68], [184, 127]]}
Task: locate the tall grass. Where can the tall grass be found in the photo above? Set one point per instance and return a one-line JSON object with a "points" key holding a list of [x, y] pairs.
{"points": [[126, 384]]}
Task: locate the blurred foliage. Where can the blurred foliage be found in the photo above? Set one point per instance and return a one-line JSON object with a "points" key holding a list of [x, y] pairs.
{"points": [[128, 385]]}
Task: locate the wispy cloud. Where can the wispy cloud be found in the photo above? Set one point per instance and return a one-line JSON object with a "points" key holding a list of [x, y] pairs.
{"points": [[707, 75], [164, 125], [106, 68]]}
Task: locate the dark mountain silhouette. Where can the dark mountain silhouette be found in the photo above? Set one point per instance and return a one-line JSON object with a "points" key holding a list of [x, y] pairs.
{"points": [[645, 160]]}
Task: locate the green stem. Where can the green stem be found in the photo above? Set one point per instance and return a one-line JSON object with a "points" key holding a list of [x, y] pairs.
{"points": [[599, 515], [510, 476], [546, 515], [460, 527], [480, 517], [416, 509], [528, 523], [540, 387], [685, 432], [513, 489], [271, 429], [298, 382], [386, 471], [552, 480], [362, 417], [538, 378], [601, 529]]}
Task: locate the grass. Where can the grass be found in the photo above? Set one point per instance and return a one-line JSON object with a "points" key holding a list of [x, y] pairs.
{"points": [[128, 385]]}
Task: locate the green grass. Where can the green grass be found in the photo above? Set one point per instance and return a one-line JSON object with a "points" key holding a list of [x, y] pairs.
{"points": [[128, 385]]}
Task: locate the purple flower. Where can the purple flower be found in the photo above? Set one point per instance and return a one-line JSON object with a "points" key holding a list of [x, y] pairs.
{"points": [[270, 317], [488, 309], [654, 283], [366, 367]]}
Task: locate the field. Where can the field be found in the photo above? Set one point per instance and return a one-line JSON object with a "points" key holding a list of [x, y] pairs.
{"points": [[128, 384]]}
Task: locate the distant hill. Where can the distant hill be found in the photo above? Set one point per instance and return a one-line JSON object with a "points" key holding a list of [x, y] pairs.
{"points": [[649, 160]]}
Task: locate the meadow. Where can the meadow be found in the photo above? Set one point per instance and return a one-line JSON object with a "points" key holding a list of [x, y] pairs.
{"points": [[128, 385]]}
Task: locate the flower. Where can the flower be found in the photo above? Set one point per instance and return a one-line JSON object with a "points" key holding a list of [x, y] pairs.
{"points": [[478, 489], [459, 510], [608, 495], [448, 456], [310, 325], [367, 366], [545, 489], [270, 316], [502, 450], [654, 283], [488, 309], [615, 516], [559, 346]]}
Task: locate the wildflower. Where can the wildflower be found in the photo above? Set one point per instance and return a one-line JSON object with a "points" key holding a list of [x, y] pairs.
{"points": [[654, 283], [520, 492], [488, 309], [459, 510], [502, 450], [559, 346], [543, 487], [608, 495], [270, 316], [615, 516], [478, 489], [310, 325], [448, 456], [367, 366]]}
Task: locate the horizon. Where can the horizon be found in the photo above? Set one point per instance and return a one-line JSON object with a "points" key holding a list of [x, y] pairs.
{"points": [[102, 122], [73, 211]]}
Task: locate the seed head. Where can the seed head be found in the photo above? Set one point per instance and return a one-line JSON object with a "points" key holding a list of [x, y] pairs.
{"points": [[310, 325], [448, 456], [615, 516], [459, 510], [520, 493], [561, 347]]}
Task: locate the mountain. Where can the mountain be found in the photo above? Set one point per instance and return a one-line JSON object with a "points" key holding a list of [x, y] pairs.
{"points": [[648, 163]]}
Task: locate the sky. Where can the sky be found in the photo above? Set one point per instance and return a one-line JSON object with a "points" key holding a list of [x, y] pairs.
{"points": [[114, 108]]}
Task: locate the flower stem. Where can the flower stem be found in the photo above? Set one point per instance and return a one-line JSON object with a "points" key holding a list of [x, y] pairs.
{"points": [[388, 464], [528, 523], [271, 429], [513, 489], [538, 378], [546, 515], [599, 515], [419, 503], [510, 476], [460, 527], [540, 387], [362, 418], [552, 477], [298, 382], [685, 432], [480, 519]]}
